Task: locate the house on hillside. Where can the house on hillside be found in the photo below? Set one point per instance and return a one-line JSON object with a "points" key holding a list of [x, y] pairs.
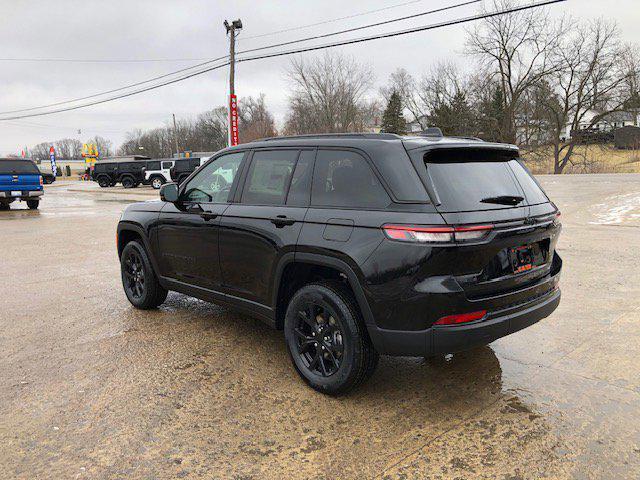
{"points": [[607, 124]]}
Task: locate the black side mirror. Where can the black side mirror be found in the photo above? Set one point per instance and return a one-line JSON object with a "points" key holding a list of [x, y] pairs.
{"points": [[169, 192]]}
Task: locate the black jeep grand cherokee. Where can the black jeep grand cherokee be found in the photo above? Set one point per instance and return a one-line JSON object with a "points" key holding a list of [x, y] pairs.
{"points": [[355, 245]]}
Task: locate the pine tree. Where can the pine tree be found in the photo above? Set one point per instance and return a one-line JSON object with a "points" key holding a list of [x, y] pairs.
{"points": [[392, 119]]}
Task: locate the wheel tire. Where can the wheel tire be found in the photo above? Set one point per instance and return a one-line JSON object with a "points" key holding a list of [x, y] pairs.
{"points": [[157, 182], [127, 182], [149, 294], [103, 182], [358, 358], [33, 204], [4, 206]]}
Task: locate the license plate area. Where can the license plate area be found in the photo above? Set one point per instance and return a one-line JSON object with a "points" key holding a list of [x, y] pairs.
{"points": [[526, 257], [16, 193]]}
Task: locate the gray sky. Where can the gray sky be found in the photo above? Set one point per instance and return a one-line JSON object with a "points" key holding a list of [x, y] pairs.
{"points": [[187, 29]]}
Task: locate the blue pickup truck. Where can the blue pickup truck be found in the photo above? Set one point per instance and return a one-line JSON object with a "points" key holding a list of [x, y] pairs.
{"points": [[20, 180]]}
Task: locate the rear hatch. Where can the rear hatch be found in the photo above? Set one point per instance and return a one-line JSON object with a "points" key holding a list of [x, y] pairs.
{"points": [[492, 188], [19, 175]]}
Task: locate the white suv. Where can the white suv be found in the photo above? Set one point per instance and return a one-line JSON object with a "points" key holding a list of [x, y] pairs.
{"points": [[157, 173]]}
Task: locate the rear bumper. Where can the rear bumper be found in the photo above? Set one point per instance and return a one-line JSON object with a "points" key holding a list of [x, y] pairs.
{"points": [[439, 340], [26, 194]]}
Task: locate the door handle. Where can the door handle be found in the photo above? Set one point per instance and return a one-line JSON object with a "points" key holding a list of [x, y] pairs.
{"points": [[281, 221], [206, 216]]}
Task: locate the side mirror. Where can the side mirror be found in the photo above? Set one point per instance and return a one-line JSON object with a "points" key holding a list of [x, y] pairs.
{"points": [[169, 193]]}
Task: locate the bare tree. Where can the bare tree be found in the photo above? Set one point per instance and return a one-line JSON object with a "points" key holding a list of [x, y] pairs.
{"points": [[514, 49], [255, 120], [592, 82], [328, 95]]}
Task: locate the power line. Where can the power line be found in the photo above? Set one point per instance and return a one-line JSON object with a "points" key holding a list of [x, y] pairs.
{"points": [[301, 27], [362, 27], [80, 60], [316, 37], [158, 60], [119, 89], [308, 49]]}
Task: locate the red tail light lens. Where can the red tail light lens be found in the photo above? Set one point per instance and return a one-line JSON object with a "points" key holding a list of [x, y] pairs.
{"points": [[417, 234], [41, 180], [461, 318]]}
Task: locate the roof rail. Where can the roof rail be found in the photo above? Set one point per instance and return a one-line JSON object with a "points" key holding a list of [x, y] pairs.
{"points": [[376, 136], [465, 137], [431, 132]]}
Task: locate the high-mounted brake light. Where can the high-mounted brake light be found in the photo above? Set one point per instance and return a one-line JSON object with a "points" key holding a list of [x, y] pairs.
{"points": [[409, 233], [461, 318]]}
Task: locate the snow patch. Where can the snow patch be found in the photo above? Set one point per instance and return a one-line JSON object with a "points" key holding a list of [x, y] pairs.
{"points": [[617, 209]]}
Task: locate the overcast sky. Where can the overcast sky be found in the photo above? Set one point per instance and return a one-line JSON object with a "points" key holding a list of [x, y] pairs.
{"points": [[192, 29]]}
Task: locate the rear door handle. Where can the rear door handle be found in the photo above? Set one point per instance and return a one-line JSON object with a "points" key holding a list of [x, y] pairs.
{"points": [[281, 221], [206, 216]]}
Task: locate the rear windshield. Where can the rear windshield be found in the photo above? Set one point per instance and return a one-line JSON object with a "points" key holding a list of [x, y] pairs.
{"points": [[477, 180], [18, 166]]}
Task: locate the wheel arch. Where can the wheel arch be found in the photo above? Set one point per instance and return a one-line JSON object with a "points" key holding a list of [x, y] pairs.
{"points": [[128, 232], [295, 270]]}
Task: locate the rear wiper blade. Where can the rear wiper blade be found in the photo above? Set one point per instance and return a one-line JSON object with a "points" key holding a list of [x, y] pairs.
{"points": [[503, 200]]}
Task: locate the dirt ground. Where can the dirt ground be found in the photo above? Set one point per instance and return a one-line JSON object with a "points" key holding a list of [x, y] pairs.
{"points": [[91, 388]]}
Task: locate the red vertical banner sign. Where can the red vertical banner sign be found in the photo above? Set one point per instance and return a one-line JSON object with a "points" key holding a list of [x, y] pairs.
{"points": [[233, 121]]}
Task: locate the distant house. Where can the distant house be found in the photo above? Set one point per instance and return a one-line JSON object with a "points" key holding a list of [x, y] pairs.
{"points": [[418, 125], [608, 123]]}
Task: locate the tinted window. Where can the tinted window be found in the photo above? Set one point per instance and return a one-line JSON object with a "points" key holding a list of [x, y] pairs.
{"points": [[153, 165], [345, 179], [300, 189], [213, 182], [467, 180], [166, 165], [269, 176], [18, 166], [532, 190]]}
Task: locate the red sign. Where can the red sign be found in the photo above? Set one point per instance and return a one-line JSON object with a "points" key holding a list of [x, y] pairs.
{"points": [[52, 150], [233, 121]]}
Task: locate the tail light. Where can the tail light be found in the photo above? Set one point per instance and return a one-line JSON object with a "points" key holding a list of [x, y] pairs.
{"points": [[41, 180], [416, 234], [461, 318]]}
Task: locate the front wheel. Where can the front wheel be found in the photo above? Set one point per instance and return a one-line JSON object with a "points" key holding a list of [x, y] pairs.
{"points": [[103, 182], [127, 182], [138, 278], [33, 204], [157, 183], [327, 339]]}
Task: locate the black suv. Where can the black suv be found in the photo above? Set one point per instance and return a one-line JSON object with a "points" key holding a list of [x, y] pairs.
{"points": [[355, 245], [109, 173], [183, 167]]}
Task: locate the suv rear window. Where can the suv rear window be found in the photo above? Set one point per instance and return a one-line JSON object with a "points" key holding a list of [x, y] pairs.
{"points": [[468, 180], [18, 166]]}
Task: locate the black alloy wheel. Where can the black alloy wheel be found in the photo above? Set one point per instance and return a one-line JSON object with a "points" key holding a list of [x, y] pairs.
{"points": [[134, 274], [327, 339], [103, 182], [319, 339], [127, 182], [139, 280]]}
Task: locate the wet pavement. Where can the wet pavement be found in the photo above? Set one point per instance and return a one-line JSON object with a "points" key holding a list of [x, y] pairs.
{"points": [[91, 388]]}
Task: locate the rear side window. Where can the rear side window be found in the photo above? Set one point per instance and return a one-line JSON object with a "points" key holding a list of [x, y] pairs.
{"points": [[345, 179], [18, 166], [300, 189], [269, 176], [468, 180], [166, 165]]}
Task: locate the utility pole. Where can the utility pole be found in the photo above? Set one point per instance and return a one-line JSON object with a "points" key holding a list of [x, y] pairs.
{"points": [[232, 28], [175, 134]]}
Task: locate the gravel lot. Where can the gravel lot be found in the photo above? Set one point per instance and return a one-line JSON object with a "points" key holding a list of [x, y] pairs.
{"points": [[91, 388]]}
